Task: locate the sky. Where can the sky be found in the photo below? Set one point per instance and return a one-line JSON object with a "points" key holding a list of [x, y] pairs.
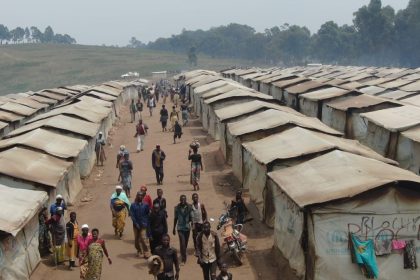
{"points": [[97, 22]]}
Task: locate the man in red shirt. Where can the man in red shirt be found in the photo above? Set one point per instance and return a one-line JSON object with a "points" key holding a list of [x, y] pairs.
{"points": [[147, 199], [141, 132]]}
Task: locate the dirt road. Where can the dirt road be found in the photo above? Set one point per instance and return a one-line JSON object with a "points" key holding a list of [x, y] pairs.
{"points": [[216, 187]]}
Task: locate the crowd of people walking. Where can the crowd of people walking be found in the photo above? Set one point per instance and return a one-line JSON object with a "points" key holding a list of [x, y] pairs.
{"points": [[82, 246]]}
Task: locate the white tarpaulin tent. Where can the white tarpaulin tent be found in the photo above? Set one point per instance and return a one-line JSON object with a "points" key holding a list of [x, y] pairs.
{"points": [[262, 125], [285, 149], [19, 253], [320, 202]]}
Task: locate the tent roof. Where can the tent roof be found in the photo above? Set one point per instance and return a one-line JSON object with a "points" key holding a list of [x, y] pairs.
{"points": [[81, 109], [249, 107], [266, 76], [324, 93], [207, 80], [304, 87], [217, 91], [396, 83], [9, 117], [396, 94], [358, 102], [33, 166], [238, 92], [107, 90], [61, 122], [197, 78], [372, 90], [100, 95], [95, 100], [336, 175], [51, 95], [413, 134], [414, 100], [52, 143], [297, 142], [286, 83], [42, 99], [273, 118], [19, 206], [213, 85], [18, 109], [412, 87], [253, 75], [395, 119], [29, 102]]}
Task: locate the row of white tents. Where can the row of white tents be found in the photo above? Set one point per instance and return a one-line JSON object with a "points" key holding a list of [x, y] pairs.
{"points": [[377, 106], [47, 145], [310, 184]]}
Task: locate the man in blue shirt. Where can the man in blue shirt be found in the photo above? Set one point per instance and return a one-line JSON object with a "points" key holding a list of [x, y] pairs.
{"points": [[59, 202], [139, 213]]}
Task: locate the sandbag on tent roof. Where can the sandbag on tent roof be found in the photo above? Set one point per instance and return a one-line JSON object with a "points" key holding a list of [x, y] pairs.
{"points": [[286, 149], [27, 169], [19, 220], [52, 143], [323, 200], [61, 122]]}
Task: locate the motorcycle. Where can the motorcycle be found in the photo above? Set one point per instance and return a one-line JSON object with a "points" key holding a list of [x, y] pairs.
{"points": [[234, 240]]}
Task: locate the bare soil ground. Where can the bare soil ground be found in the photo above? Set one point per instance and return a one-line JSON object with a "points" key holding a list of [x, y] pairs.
{"points": [[217, 186]]}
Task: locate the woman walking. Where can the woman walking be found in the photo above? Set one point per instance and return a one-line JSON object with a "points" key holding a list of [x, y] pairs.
{"points": [[164, 117], [196, 166], [83, 242], [151, 103], [96, 251], [173, 117], [44, 236]]}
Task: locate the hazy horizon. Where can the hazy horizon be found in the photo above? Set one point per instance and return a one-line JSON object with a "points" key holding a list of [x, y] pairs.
{"points": [[95, 22]]}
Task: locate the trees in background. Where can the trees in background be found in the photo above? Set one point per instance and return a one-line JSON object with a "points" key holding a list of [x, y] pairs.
{"points": [[33, 35], [378, 36]]}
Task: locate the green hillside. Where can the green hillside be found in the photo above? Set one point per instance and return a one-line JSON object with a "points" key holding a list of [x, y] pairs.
{"points": [[37, 66]]}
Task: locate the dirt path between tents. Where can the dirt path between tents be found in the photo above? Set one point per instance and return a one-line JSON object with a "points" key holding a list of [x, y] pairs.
{"points": [[216, 187]]}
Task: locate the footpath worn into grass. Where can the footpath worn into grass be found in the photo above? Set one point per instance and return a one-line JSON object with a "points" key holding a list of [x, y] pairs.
{"points": [[216, 187]]}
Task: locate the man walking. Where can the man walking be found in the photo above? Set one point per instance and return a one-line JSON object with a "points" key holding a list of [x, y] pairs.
{"points": [[160, 199], [141, 132], [158, 226], [209, 251], [198, 216], [158, 156], [139, 213], [182, 223], [164, 115], [133, 110], [99, 149], [169, 257]]}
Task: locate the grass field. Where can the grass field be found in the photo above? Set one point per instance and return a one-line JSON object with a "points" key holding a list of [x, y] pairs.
{"points": [[38, 66]]}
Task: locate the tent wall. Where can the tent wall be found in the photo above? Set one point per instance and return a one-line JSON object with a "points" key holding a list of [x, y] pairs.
{"points": [[277, 93], [265, 88], [388, 213], [288, 229], [377, 138], [291, 100], [19, 255], [254, 179], [309, 107], [334, 118], [408, 154]]}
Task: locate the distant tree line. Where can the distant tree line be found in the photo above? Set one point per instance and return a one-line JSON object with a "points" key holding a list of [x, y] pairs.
{"points": [[32, 34], [378, 36]]}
